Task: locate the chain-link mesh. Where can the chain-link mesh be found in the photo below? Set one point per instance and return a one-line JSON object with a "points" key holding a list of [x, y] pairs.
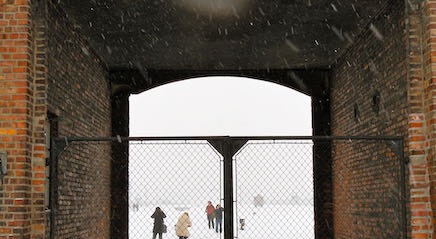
{"points": [[281, 188], [274, 190], [178, 177]]}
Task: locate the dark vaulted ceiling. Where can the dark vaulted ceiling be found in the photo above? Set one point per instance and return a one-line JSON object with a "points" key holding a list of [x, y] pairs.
{"points": [[221, 34]]}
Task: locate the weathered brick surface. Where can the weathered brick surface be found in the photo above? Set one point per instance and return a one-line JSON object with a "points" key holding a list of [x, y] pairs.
{"points": [[423, 125], [16, 109], [373, 70], [46, 66], [78, 94], [420, 205], [39, 215]]}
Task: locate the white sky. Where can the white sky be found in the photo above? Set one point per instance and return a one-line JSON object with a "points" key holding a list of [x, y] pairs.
{"points": [[220, 106]]}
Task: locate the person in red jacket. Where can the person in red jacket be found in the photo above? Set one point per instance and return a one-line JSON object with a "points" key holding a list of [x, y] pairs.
{"points": [[210, 211]]}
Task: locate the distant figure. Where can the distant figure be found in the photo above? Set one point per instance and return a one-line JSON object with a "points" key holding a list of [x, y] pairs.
{"points": [[210, 211], [242, 223], [159, 227], [259, 201], [182, 226], [219, 218], [135, 207]]}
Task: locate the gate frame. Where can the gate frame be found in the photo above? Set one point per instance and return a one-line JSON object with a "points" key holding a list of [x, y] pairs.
{"points": [[228, 146]]}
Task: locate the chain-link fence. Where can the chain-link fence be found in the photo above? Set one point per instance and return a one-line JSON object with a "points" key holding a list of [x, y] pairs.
{"points": [[278, 187], [178, 177], [274, 190]]}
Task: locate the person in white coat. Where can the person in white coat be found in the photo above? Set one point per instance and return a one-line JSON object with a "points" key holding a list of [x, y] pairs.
{"points": [[183, 223]]}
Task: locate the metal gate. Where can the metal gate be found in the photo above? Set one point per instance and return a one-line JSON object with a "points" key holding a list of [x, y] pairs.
{"points": [[281, 187]]}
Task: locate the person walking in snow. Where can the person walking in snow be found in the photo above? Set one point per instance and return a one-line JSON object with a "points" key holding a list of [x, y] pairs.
{"points": [[159, 226], [219, 218], [182, 225], [210, 211]]}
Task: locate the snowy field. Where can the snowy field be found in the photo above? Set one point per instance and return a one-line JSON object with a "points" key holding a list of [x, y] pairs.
{"points": [[269, 221]]}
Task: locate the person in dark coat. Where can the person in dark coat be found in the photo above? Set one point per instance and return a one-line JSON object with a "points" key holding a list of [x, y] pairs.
{"points": [[219, 218], [158, 227]]}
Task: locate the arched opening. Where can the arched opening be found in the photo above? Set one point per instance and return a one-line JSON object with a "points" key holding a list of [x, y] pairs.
{"points": [[182, 176], [211, 106]]}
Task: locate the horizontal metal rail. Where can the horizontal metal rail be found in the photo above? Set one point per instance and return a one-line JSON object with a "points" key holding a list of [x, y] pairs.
{"points": [[123, 139]]}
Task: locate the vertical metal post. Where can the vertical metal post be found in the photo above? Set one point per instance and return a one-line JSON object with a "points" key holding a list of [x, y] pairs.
{"points": [[119, 228], [403, 199], [227, 147], [54, 153], [228, 189], [322, 159]]}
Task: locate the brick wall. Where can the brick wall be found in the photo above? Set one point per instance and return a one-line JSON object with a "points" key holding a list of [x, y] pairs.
{"points": [[39, 214], [78, 94], [369, 97], [419, 171], [429, 99], [16, 111], [45, 65], [422, 118]]}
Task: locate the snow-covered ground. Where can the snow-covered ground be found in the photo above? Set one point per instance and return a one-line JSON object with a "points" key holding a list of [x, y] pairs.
{"points": [[141, 223], [269, 221], [276, 221]]}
